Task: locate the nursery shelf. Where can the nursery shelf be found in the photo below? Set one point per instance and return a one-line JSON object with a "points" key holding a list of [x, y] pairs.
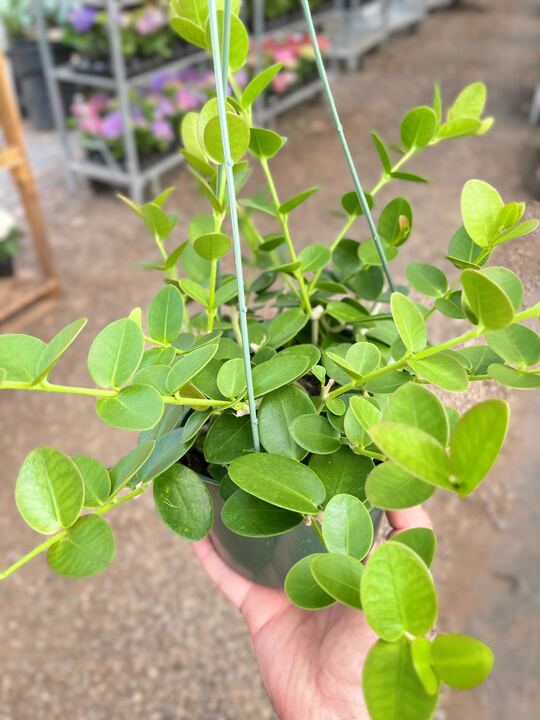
{"points": [[356, 33], [405, 14], [277, 105], [436, 4]]}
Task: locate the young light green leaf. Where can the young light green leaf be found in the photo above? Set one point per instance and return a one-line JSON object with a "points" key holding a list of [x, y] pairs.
{"points": [[510, 377], [461, 661], [418, 127], [189, 365], [265, 144], [258, 84], [116, 353], [363, 357], [49, 491], [339, 576], [287, 207], [421, 658], [476, 443], [415, 405], [248, 516], [97, 482], [365, 412], [382, 152], [229, 436], [315, 434], [427, 279], [231, 378], [19, 356], [517, 344], [524, 228], [165, 314], [239, 40], [57, 347], [347, 526], [409, 322], [392, 688], [189, 31], [421, 540], [280, 370], [480, 357], [238, 137], [342, 472], [195, 291], [395, 222], [481, 207], [136, 407], [490, 304], [212, 246], [390, 488], [183, 502], [470, 102], [87, 549], [507, 281], [414, 451], [463, 252], [442, 371], [279, 481], [277, 411], [398, 593], [302, 588], [159, 224], [314, 257]]}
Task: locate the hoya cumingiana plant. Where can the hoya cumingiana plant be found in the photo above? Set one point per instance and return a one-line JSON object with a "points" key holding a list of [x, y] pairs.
{"points": [[304, 389]]}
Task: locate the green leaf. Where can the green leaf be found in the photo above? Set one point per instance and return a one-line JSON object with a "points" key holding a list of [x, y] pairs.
{"points": [[56, 348], [427, 279], [229, 436], [19, 356], [189, 365], [248, 516], [342, 472], [476, 443], [463, 252], [409, 322], [507, 281], [154, 375], [368, 282], [388, 383], [450, 306], [524, 228], [49, 491], [459, 128], [116, 353], [390, 488], [345, 312], [414, 451], [195, 291], [315, 434], [395, 222], [415, 405], [279, 481], [409, 177], [470, 102], [87, 549], [239, 40], [418, 127], [231, 378], [285, 326], [351, 204], [461, 661], [516, 344], [392, 688], [364, 411], [212, 246], [347, 526], [168, 449], [296, 201], [363, 357], [165, 314], [336, 406], [421, 540], [382, 152], [183, 502], [368, 252], [280, 370], [265, 144], [277, 411], [339, 576], [480, 357], [314, 257], [302, 588], [136, 407], [421, 658], [238, 137], [189, 31], [398, 593], [481, 207], [513, 378], [158, 223], [442, 371], [488, 302], [258, 84], [128, 466], [97, 482]]}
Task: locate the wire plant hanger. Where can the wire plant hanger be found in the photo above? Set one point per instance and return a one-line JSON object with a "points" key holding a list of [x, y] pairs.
{"points": [[220, 58]]}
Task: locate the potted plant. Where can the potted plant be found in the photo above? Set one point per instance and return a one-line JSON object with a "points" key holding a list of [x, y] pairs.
{"points": [[286, 447], [10, 235]]}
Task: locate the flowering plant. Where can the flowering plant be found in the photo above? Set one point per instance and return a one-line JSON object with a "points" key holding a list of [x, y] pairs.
{"points": [[19, 18]]}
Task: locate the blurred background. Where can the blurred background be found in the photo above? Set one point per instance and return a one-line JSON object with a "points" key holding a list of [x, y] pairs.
{"points": [[101, 88]]}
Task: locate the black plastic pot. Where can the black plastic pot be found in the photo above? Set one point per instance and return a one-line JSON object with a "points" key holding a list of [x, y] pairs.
{"points": [[7, 266], [30, 80], [264, 560]]}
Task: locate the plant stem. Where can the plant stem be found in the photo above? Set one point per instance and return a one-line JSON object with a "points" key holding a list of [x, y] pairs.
{"points": [[369, 454], [284, 222], [211, 311], [63, 533], [317, 531], [339, 237], [387, 177]]}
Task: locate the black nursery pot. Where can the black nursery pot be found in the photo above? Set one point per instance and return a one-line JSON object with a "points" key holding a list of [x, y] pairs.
{"points": [[7, 266], [30, 80], [265, 561]]}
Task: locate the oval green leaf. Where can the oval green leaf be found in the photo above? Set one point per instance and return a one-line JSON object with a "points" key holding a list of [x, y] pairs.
{"points": [[136, 407], [339, 576], [461, 661], [315, 434], [87, 549], [97, 482], [390, 488], [302, 588], [409, 322], [347, 527], [183, 502], [116, 353], [277, 411], [248, 516], [165, 314]]}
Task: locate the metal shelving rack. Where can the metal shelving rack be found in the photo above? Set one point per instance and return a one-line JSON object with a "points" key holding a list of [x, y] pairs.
{"points": [[357, 29], [133, 175], [437, 4], [405, 14]]}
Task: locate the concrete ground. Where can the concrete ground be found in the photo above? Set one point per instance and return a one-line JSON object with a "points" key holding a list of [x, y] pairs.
{"points": [[150, 639]]}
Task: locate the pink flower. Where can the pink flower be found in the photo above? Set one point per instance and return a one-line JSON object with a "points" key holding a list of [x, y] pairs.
{"points": [[283, 81], [286, 56], [91, 125], [189, 100]]}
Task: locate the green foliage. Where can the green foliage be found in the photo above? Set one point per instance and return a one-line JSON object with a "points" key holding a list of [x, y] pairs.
{"points": [[347, 527], [87, 549], [462, 662], [183, 502], [116, 353]]}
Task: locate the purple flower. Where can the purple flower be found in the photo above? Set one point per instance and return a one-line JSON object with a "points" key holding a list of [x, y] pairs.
{"points": [[164, 109], [83, 19], [162, 131], [112, 126]]}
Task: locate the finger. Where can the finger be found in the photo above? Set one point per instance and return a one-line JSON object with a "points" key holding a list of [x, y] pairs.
{"points": [[406, 519], [232, 585]]}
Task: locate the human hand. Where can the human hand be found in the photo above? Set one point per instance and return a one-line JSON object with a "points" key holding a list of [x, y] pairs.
{"points": [[310, 662]]}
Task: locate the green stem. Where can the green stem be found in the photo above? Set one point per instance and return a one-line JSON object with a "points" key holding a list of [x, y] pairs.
{"points": [[339, 237], [211, 311], [63, 533], [369, 454], [387, 177], [317, 531]]}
